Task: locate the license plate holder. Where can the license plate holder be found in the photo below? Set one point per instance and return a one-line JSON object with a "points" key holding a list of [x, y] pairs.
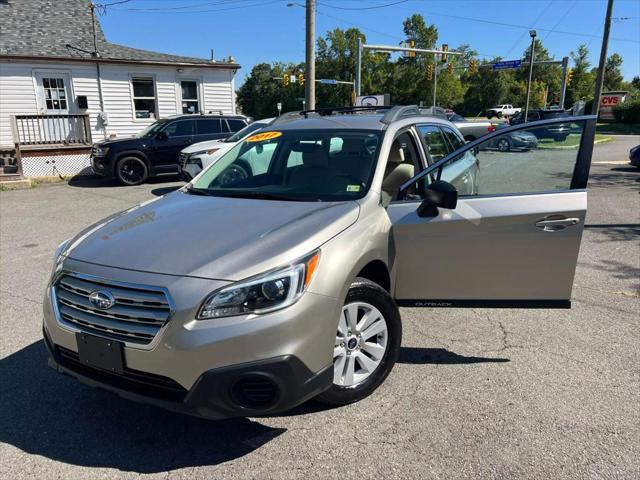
{"points": [[100, 353]]}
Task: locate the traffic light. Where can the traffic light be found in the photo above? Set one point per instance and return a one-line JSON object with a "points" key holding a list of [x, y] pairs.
{"points": [[286, 79], [473, 66], [450, 67], [445, 49], [569, 76], [429, 71], [412, 44], [301, 78]]}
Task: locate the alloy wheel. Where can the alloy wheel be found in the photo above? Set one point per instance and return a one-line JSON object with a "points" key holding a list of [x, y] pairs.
{"points": [[361, 342], [132, 171], [503, 145]]}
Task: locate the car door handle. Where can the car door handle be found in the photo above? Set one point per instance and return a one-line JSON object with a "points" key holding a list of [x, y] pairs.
{"points": [[553, 225]]}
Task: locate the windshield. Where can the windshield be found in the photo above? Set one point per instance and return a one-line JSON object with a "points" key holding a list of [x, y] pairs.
{"points": [[300, 165], [240, 134], [152, 129]]}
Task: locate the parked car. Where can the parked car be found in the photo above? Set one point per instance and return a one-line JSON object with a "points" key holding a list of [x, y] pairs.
{"points": [[471, 130], [247, 296], [634, 156], [520, 140], [505, 110], [154, 151], [558, 132], [195, 158]]}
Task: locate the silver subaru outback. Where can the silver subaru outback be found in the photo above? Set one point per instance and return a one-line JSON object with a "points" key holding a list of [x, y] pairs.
{"points": [[275, 276]]}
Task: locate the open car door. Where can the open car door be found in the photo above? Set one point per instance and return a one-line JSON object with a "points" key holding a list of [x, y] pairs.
{"points": [[513, 239]]}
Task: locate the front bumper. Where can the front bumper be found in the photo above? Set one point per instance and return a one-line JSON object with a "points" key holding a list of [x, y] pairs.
{"points": [[193, 366], [255, 388], [100, 166]]}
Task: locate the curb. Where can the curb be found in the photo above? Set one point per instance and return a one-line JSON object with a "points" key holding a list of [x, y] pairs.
{"points": [[573, 147]]}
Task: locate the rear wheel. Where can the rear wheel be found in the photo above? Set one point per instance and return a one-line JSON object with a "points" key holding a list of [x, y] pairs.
{"points": [[504, 145], [367, 343], [132, 170]]}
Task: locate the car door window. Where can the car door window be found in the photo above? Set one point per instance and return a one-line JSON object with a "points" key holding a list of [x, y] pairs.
{"points": [[208, 126], [434, 141], [523, 161], [402, 164], [236, 124], [455, 140], [181, 128]]}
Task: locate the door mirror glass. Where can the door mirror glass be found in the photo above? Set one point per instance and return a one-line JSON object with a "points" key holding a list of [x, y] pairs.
{"points": [[438, 194]]}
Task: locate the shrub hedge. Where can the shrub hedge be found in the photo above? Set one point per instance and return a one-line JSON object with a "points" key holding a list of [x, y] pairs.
{"points": [[628, 112]]}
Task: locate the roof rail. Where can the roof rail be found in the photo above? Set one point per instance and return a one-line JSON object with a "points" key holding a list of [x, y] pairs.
{"points": [[353, 109], [400, 111], [286, 117]]}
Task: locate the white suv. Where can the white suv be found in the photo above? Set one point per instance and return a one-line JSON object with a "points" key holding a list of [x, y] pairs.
{"points": [[195, 158]]}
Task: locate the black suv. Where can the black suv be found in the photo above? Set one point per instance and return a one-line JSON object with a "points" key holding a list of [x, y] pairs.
{"points": [[154, 151], [558, 132]]}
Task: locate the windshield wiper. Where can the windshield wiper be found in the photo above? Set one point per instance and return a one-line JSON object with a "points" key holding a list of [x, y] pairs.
{"points": [[263, 196], [197, 191]]}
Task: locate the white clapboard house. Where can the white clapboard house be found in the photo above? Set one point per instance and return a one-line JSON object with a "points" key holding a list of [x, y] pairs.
{"points": [[60, 91]]}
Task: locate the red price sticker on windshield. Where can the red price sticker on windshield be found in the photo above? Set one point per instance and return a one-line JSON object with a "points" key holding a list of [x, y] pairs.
{"points": [[261, 137]]}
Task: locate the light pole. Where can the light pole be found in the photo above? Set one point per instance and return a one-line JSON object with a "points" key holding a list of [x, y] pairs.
{"points": [[532, 34], [310, 53]]}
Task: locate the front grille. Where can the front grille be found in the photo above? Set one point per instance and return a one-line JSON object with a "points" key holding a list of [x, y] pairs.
{"points": [[182, 159], [142, 383], [136, 317]]}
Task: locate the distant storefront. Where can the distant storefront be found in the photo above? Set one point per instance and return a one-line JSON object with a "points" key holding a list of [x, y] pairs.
{"points": [[608, 100]]}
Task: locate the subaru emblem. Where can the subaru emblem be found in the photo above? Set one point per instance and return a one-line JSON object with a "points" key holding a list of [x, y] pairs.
{"points": [[102, 299]]}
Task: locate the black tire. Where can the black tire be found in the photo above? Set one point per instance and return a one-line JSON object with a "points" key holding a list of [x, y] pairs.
{"points": [[363, 290], [490, 115], [132, 170], [499, 114], [469, 138], [235, 172], [503, 145]]}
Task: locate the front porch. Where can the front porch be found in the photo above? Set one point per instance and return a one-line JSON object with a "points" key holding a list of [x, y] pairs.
{"points": [[47, 145]]}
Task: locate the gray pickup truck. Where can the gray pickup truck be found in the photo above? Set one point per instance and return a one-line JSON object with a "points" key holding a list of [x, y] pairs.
{"points": [[471, 130]]}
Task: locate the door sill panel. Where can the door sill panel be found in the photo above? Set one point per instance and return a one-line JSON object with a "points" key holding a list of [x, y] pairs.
{"points": [[560, 304]]}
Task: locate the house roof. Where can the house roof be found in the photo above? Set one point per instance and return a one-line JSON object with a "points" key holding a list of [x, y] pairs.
{"points": [[62, 29]]}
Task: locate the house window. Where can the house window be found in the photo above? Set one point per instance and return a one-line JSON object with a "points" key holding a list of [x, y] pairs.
{"points": [[55, 95], [190, 103], [144, 97]]}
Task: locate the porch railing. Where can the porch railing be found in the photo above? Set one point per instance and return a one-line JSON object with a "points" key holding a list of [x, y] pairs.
{"points": [[61, 130]]}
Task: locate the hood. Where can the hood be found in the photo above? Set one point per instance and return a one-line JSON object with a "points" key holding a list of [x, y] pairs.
{"points": [[122, 143], [196, 147], [211, 237]]}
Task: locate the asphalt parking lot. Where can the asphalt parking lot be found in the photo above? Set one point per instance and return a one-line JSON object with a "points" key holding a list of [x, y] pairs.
{"points": [[477, 393]]}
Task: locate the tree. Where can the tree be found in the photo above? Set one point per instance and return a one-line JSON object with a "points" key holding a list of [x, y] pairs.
{"points": [[612, 75], [336, 59], [260, 93], [544, 77], [582, 84]]}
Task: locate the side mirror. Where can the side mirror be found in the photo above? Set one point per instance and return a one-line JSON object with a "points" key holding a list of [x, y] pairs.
{"points": [[162, 135], [259, 148], [438, 194]]}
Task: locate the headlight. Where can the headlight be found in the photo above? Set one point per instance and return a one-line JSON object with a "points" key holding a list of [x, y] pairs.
{"points": [[211, 151], [59, 251], [264, 293], [100, 151]]}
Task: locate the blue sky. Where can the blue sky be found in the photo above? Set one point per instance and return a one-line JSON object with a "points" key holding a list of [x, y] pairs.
{"points": [[255, 31]]}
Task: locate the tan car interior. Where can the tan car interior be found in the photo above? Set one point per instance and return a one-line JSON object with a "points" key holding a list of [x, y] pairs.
{"points": [[400, 167]]}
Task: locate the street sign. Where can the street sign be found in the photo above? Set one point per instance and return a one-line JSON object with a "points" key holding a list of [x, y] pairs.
{"points": [[373, 100], [328, 81], [507, 64]]}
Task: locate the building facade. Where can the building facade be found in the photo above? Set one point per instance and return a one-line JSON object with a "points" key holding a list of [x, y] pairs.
{"points": [[60, 91]]}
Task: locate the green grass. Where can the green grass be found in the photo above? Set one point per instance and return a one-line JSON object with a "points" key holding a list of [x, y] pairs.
{"points": [[572, 141], [615, 128]]}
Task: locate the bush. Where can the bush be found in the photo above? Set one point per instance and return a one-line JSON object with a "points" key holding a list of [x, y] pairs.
{"points": [[628, 112]]}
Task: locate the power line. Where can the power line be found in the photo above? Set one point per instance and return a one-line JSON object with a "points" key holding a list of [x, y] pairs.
{"points": [[544, 10], [363, 8], [166, 10]]}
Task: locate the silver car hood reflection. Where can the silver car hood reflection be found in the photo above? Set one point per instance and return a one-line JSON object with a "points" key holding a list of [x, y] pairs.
{"points": [[211, 237]]}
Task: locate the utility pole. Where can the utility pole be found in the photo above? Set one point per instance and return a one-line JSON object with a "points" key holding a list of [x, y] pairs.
{"points": [[563, 86], [435, 80], [310, 56], [603, 59], [532, 33], [96, 55], [358, 67]]}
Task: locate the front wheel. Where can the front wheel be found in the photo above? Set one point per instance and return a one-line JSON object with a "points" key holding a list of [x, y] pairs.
{"points": [[132, 170], [504, 145], [367, 343]]}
